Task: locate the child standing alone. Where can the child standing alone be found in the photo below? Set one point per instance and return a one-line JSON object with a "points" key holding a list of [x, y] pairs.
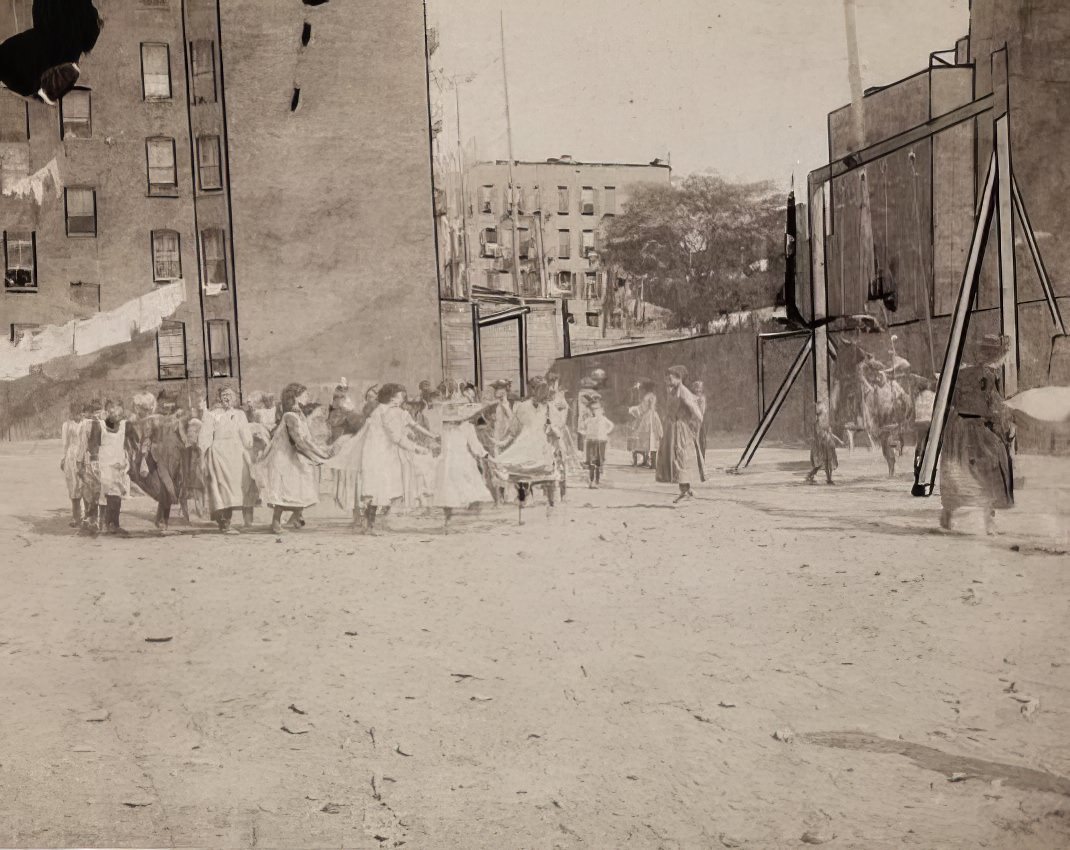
{"points": [[595, 428], [823, 447]]}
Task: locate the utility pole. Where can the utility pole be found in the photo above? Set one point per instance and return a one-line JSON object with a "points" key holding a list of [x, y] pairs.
{"points": [[512, 186], [464, 194], [854, 75]]}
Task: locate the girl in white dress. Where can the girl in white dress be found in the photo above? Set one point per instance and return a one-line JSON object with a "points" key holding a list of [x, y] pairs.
{"points": [[459, 483], [286, 474]]}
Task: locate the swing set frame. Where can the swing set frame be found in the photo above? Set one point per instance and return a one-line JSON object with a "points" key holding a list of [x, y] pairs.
{"points": [[1000, 200]]}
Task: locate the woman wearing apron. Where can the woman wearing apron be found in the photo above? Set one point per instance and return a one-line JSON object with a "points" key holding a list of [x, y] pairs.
{"points": [[114, 464]]}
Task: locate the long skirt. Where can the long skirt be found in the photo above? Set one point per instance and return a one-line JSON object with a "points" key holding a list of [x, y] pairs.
{"points": [[975, 466], [679, 456], [229, 478]]}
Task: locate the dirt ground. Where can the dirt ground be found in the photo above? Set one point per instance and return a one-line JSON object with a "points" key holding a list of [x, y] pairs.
{"points": [[611, 676]]}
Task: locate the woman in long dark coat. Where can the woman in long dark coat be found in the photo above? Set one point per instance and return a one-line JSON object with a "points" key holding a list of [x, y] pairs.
{"points": [[976, 469], [679, 456]]}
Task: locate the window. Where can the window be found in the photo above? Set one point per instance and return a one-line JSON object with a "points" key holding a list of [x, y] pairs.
{"points": [[156, 71], [565, 282], [202, 70], [214, 258], [208, 167], [562, 200], [593, 319], [588, 243], [86, 295], [486, 202], [564, 244], [609, 200], [163, 178], [20, 259], [171, 351], [587, 201], [488, 239], [525, 243], [14, 165], [14, 119], [81, 211], [75, 114], [21, 330], [166, 256], [521, 195], [219, 347], [590, 285]]}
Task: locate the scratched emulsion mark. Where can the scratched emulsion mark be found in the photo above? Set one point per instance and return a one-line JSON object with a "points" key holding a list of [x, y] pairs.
{"points": [[930, 758]]}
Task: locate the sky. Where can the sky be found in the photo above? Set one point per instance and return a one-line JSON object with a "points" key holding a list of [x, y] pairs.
{"points": [[740, 88]]}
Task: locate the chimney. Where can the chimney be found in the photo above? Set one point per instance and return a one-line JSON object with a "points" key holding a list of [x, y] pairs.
{"points": [[565, 157]]}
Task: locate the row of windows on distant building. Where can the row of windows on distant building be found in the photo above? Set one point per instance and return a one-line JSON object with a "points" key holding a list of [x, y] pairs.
{"points": [[490, 243], [529, 200]]}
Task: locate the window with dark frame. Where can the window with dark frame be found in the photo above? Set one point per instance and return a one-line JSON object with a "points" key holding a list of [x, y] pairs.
{"points": [[219, 347], [587, 201], [21, 330], [76, 114], [609, 200], [209, 168], [562, 200], [564, 244], [171, 351], [20, 260], [524, 251], [81, 207], [588, 243], [565, 282], [162, 172], [593, 319], [202, 69], [214, 257], [590, 285], [166, 256], [14, 119], [486, 199], [156, 71], [162, 168], [488, 239]]}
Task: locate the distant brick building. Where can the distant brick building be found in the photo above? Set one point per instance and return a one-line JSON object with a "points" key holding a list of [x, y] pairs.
{"points": [[263, 151], [562, 208]]}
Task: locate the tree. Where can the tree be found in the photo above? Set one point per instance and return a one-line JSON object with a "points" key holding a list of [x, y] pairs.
{"points": [[703, 247]]}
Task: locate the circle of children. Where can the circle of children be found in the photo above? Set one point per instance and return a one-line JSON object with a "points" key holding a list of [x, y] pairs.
{"points": [[447, 449]]}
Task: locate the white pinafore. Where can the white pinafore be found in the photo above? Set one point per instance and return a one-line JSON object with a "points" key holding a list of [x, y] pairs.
{"points": [[114, 463]]}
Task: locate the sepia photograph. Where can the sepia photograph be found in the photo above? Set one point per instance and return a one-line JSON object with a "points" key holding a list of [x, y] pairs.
{"points": [[564, 425]]}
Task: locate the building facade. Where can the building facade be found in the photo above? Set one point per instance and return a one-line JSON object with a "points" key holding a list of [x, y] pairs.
{"points": [[552, 263], [262, 152]]}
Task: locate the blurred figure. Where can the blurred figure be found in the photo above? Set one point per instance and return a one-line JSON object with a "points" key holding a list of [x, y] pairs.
{"points": [[976, 469], [646, 429], [679, 460]]}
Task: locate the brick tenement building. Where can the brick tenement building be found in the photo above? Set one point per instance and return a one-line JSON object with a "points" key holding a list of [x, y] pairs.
{"points": [[562, 207], [304, 235]]}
